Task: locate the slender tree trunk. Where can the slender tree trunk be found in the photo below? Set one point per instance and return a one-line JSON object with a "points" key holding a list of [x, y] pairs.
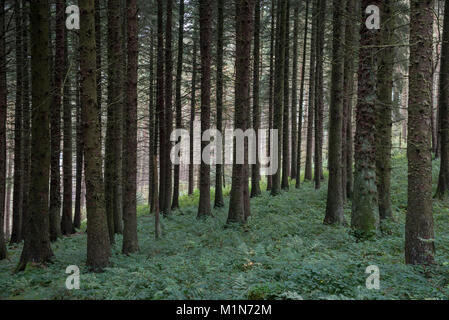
{"points": [[98, 42], [239, 210], [204, 208], [294, 107], [3, 116], [279, 89], [192, 116], [153, 131], [419, 233], [255, 170], [311, 107], [175, 203], [37, 247], [130, 241], [443, 180], [271, 88], [301, 96], [219, 202], [286, 110], [17, 235], [334, 206], [384, 123], [98, 247], [79, 145]]}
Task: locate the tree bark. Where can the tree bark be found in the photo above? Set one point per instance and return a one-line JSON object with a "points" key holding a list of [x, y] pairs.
{"points": [[271, 88], [192, 116], [3, 116], [286, 110]]}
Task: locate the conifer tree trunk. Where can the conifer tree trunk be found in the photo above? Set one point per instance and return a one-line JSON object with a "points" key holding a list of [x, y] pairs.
{"points": [[192, 116], [311, 107], [204, 208], [175, 203], [3, 113], [98, 245], [334, 206], [66, 222], [130, 241], [79, 144], [17, 234], [443, 180], [153, 131], [294, 107], [419, 233], [219, 202], [319, 93], [286, 110], [301, 95], [384, 108], [166, 208], [255, 170], [98, 42], [279, 89], [37, 247], [365, 210], [271, 87], [239, 210]]}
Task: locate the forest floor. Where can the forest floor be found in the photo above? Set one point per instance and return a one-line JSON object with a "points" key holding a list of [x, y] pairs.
{"points": [[284, 252]]}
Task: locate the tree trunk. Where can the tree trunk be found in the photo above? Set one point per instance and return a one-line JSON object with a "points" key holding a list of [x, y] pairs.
{"points": [[219, 202], [334, 206], [130, 241], [3, 113], [384, 114], [192, 116], [271, 88], [152, 131], [79, 144], [286, 110], [98, 247], [206, 50], [175, 203], [311, 107], [279, 89], [17, 234], [443, 180], [255, 170], [301, 96], [37, 247], [294, 107], [239, 210]]}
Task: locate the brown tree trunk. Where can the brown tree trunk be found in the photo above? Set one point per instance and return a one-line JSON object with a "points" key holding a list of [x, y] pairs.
{"points": [[294, 107], [3, 113], [130, 241], [204, 208], [192, 117], [79, 145], [271, 88], [286, 110]]}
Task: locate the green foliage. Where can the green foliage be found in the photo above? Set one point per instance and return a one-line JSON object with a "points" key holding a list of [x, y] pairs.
{"points": [[284, 252]]}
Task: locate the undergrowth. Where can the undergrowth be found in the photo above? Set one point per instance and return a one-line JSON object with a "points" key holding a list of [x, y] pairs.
{"points": [[284, 252]]}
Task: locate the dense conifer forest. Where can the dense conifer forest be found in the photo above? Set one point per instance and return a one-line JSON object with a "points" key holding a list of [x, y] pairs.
{"points": [[230, 150]]}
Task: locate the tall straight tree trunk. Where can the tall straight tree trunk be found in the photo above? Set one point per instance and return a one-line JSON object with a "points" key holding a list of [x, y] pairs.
{"points": [[219, 202], [365, 209], [17, 235], [130, 241], [312, 84], [271, 88], [294, 107], [3, 113], [279, 89], [66, 222], [255, 170], [286, 110], [37, 247], [384, 106], [348, 88], [175, 203], [79, 144], [98, 42], [319, 93], [192, 116], [419, 233], [443, 180], [334, 206], [26, 113], [98, 247], [204, 208], [152, 131], [301, 96], [166, 208], [160, 103], [239, 206]]}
